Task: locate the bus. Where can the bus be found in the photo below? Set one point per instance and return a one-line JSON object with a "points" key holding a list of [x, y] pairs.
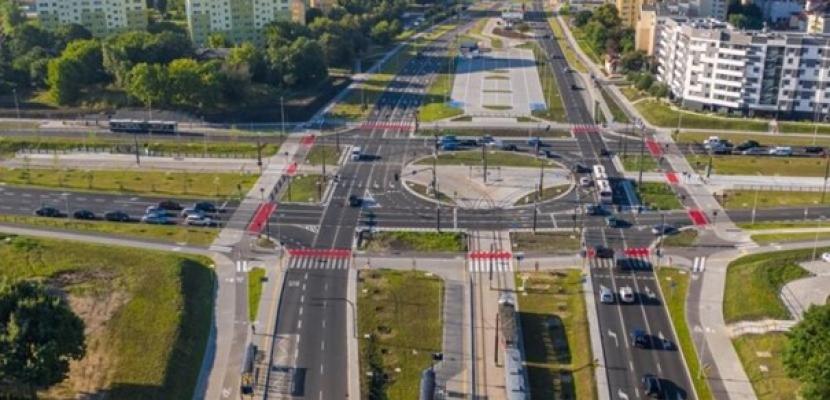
{"points": [[604, 191], [599, 173]]}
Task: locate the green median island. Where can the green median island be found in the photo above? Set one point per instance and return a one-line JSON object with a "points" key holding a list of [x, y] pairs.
{"points": [[760, 165], [566, 242], [659, 196], [329, 154], [395, 348], [631, 160], [555, 335], [494, 158], [305, 189], [147, 314], [256, 277], [735, 199], [386, 241], [176, 184]]}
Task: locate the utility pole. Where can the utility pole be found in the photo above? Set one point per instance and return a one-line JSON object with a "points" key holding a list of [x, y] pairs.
{"points": [[640, 162], [259, 153], [660, 244], [484, 158], [496, 342], [435, 186], [826, 174], [755, 203], [138, 159], [282, 115]]}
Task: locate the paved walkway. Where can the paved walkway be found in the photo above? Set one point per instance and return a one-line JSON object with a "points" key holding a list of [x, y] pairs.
{"points": [[800, 294]]}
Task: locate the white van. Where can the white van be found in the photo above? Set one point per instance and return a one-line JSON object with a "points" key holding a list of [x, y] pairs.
{"points": [[357, 153]]}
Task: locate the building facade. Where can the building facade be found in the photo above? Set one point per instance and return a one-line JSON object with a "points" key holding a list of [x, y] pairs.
{"points": [[99, 17], [238, 20], [629, 10], [709, 65]]}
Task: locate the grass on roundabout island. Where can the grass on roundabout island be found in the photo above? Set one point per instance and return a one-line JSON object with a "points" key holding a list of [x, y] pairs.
{"points": [[427, 242], [549, 242], [494, 158], [753, 284], [151, 312], [554, 324], [399, 319]]}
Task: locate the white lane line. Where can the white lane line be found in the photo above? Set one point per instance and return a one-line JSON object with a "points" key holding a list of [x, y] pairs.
{"points": [[553, 218], [300, 312], [302, 298], [323, 345], [299, 324]]}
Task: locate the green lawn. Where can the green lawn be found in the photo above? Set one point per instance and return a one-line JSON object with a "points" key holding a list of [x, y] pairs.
{"points": [[616, 111], [570, 55], [436, 102], [149, 313], [810, 223], [329, 153], [592, 53], [555, 334], [760, 165], [660, 114], [631, 160], [217, 184], [505, 132], [304, 189], [183, 235], [555, 110], [399, 319], [494, 158], [255, 281], [767, 238], [547, 194], [659, 196], [549, 242], [415, 241], [768, 140], [754, 281], [674, 284], [632, 93], [768, 199], [767, 350], [684, 238]]}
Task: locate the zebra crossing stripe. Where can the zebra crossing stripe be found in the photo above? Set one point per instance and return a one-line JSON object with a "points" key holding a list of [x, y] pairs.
{"points": [[699, 264], [318, 263], [484, 265]]}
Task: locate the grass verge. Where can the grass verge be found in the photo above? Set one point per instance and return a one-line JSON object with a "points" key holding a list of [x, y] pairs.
{"points": [[768, 238], [494, 158], [661, 114], [771, 198], [684, 238], [616, 112], [760, 165], [324, 152], [547, 194], [423, 190], [555, 110], [766, 350], [414, 241], [570, 56], [549, 242], [128, 181], [255, 281], [778, 224], [147, 314], [181, 235], [766, 140], [659, 196], [435, 106], [555, 335], [754, 281], [631, 162], [391, 336], [304, 189], [674, 283]]}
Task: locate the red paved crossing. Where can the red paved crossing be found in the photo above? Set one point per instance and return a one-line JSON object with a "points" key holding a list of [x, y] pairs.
{"points": [[263, 212], [637, 252], [671, 178], [698, 217], [490, 255], [654, 148]]}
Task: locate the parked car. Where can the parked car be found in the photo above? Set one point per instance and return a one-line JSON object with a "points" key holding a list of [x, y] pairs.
{"points": [[639, 338], [158, 219], [83, 214], [47, 211], [749, 144], [200, 220], [720, 149], [626, 294], [606, 295], [711, 141], [784, 151], [825, 257], [117, 216], [206, 207], [651, 386], [169, 205]]}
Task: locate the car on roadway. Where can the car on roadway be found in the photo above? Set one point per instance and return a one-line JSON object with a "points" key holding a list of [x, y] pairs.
{"points": [[486, 140], [614, 222], [651, 386], [155, 210], [169, 205], [663, 229], [826, 257], [355, 201], [566, 70], [639, 338], [117, 216], [83, 214], [814, 150], [720, 149], [784, 151], [156, 219], [534, 141], [585, 181], [626, 294], [509, 147], [200, 220], [755, 151], [581, 168], [711, 141], [595, 209], [50, 212], [749, 144], [603, 252], [606, 295]]}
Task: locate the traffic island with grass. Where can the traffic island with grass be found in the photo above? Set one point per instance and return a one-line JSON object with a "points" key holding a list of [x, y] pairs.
{"points": [[759, 165], [659, 196], [147, 314], [256, 277], [136, 182], [549, 193], [770, 238], [395, 345], [555, 335], [305, 189], [684, 238], [494, 158], [328, 153], [425, 191], [548, 242], [427, 242], [631, 161], [761, 356], [674, 283], [182, 235], [772, 198]]}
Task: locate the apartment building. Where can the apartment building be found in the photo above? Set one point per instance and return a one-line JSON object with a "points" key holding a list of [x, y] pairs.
{"points": [[238, 20], [709, 65], [98, 16], [629, 10]]}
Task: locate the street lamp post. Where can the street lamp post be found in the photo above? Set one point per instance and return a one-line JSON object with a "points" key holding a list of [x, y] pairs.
{"points": [[815, 240], [282, 115], [16, 107]]}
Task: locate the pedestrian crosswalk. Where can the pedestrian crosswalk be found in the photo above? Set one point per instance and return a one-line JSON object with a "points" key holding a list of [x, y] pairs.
{"points": [[485, 261], [320, 259], [699, 264], [584, 128]]}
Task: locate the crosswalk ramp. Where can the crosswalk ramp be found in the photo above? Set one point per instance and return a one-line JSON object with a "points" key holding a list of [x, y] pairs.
{"points": [[486, 261], [320, 259]]}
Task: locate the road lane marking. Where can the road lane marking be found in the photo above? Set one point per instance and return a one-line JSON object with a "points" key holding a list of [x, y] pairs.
{"points": [[614, 335], [299, 324]]}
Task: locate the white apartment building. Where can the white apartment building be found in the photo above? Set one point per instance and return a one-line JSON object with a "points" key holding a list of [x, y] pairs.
{"points": [[101, 17], [238, 20], [709, 65]]}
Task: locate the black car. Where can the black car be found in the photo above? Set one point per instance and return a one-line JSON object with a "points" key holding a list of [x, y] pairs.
{"points": [[169, 205], [604, 152], [749, 144], [550, 154], [205, 207], [510, 147], [51, 212], [580, 168], [595, 209], [83, 214], [651, 386], [355, 201], [117, 216], [603, 252], [639, 338], [814, 149]]}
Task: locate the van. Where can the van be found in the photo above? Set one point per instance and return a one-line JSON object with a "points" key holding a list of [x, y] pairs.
{"points": [[357, 153]]}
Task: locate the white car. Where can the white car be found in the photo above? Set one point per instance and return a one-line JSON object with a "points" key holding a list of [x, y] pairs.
{"points": [[199, 220], [626, 294], [606, 296], [781, 151], [825, 257], [585, 181]]}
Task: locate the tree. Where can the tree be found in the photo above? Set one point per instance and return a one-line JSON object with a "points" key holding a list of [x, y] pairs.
{"points": [[217, 40], [747, 16], [312, 14], [185, 83], [148, 83], [382, 32], [10, 15], [71, 32], [39, 335], [633, 60], [644, 81], [807, 354], [87, 53], [246, 62], [64, 78]]}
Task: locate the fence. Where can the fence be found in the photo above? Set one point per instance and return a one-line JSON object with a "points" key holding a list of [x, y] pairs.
{"points": [[129, 149], [778, 188]]}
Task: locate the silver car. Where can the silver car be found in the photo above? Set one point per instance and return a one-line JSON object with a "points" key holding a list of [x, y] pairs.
{"points": [[606, 296]]}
